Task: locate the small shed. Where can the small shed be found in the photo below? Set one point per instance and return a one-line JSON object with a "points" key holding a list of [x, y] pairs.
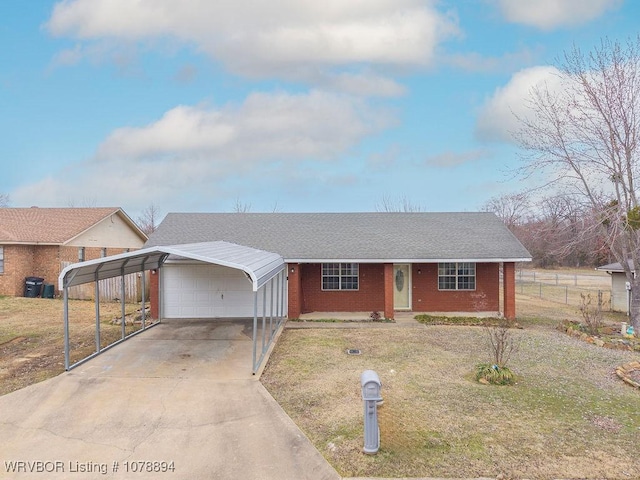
{"points": [[620, 292]]}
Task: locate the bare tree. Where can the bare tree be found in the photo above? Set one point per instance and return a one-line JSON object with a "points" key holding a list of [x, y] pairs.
{"points": [[400, 204], [275, 208], [149, 219], [584, 137], [513, 209], [241, 207], [4, 200]]}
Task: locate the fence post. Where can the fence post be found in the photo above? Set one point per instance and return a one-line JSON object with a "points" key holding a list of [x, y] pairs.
{"points": [[599, 299], [534, 276], [566, 294], [556, 279]]}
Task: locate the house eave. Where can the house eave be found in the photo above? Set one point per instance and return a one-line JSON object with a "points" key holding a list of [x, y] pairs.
{"points": [[405, 260], [36, 244]]}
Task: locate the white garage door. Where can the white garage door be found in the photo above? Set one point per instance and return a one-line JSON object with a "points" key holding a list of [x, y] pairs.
{"points": [[208, 291]]}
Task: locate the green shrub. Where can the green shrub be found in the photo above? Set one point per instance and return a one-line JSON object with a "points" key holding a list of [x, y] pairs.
{"points": [[494, 374], [443, 320]]}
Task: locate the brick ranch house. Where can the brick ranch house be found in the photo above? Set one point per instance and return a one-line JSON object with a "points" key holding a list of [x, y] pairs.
{"points": [[40, 242], [345, 262]]}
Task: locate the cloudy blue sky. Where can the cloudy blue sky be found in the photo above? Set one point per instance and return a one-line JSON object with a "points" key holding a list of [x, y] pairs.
{"points": [[292, 105]]}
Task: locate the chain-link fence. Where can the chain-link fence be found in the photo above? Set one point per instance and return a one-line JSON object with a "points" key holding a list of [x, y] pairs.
{"points": [[567, 288]]}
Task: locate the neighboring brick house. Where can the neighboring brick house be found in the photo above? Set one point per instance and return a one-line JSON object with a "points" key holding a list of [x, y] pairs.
{"points": [[39, 242], [348, 262]]}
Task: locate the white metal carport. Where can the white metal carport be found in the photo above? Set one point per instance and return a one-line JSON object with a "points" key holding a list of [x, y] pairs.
{"points": [[260, 267]]}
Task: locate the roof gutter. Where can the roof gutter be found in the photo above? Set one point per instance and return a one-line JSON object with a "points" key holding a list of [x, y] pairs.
{"points": [[405, 260]]}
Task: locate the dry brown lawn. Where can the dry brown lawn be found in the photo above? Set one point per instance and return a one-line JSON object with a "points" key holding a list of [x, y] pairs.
{"points": [[568, 416], [32, 336]]}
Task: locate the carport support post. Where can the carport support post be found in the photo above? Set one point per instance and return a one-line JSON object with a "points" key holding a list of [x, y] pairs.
{"points": [[122, 293], [143, 286], [122, 312], [283, 295], [278, 301], [97, 300], [65, 314], [264, 317], [271, 311], [255, 328]]}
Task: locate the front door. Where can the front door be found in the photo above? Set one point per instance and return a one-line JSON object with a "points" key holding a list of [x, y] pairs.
{"points": [[402, 286]]}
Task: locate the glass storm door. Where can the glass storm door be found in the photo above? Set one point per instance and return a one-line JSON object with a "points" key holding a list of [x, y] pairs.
{"points": [[402, 287]]}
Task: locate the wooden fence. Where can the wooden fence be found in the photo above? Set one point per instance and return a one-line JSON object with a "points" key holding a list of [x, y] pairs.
{"points": [[111, 288]]}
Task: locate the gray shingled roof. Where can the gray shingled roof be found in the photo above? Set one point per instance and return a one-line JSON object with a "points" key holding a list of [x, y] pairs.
{"points": [[615, 267], [477, 236]]}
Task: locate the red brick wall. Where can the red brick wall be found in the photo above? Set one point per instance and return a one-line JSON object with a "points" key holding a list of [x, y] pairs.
{"points": [[368, 298], [21, 261], [45, 261], [294, 293], [305, 291], [153, 294], [509, 280], [388, 290], [17, 260], [427, 298], [71, 255]]}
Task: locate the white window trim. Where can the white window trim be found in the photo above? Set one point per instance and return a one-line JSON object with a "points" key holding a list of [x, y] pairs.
{"points": [[340, 289], [1, 259], [457, 289]]}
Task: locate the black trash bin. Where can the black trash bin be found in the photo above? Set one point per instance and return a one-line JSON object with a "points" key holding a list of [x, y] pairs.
{"points": [[47, 290], [33, 286]]}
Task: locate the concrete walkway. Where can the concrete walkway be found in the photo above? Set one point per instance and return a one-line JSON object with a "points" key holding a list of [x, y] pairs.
{"points": [[179, 398], [352, 320]]}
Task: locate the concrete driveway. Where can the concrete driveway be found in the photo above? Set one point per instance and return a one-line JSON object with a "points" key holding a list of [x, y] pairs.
{"points": [[178, 401]]}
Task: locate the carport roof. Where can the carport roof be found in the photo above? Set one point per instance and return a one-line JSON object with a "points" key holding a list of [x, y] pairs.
{"points": [[259, 265]]}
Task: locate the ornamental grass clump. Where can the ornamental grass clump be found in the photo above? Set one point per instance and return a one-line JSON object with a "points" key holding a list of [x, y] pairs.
{"points": [[494, 374], [502, 345]]}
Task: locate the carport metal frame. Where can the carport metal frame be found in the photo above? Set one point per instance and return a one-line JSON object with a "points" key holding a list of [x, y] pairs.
{"points": [[260, 267]]}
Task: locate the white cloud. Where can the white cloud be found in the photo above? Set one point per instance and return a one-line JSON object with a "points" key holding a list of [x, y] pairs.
{"points": [[280, 38], [550, 14], [278, 126], [199, 151], [497, 120]]}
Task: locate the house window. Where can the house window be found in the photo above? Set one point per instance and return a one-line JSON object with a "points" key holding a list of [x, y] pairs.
{"points": [[339, 276], [1, 259], [457, 276], [103, 252], [81, 254]]}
